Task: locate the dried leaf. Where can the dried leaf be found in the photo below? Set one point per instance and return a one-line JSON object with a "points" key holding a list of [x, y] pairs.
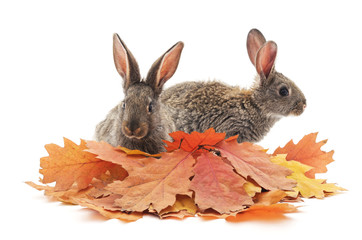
{"points": [[62, 196], [156, 183], [191, 142], [307, 151], [250, 160], [71, 164], [116, 214], [183, 207], [307, 187], [211, 214], [82, 198], [217, 186], [202, 174], [108, 153], [270, 197]]}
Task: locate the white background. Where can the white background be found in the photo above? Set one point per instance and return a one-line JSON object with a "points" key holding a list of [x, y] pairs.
{"points": [[58, 79]]}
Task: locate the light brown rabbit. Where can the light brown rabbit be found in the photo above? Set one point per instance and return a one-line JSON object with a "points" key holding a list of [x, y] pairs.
{"points": [[140, 121], [249, 113]]}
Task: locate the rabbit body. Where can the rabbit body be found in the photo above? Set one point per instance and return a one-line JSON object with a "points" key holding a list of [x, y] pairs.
{"points": [[140, 121], [249, 113]]}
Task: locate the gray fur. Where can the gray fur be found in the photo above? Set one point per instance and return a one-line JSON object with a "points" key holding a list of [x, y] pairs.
{"points": [[132, 124], [198, 106]]}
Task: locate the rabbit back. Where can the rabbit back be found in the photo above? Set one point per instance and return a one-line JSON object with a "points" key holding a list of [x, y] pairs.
{"points": [[198, 106]]}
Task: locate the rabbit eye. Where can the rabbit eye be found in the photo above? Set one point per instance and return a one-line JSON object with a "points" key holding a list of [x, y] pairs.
{"points": [[123, 105], [150, 106], [283, 92]]}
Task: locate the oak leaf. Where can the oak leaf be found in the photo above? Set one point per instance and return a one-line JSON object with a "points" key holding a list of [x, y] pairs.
{"points": [[249, 160], [307, 151], [83, 198], [66, 196], [202, 173], [217, 186], [105, 208], [71, 164], [156, 182], [191, 142], [307, 187]]}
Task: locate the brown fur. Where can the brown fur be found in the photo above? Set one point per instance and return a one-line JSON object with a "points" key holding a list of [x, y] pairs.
{"points": [[140, 121], [249, 113]]}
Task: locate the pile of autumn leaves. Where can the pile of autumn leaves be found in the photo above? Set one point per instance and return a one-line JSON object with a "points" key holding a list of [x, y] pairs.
{"points": [[201, 174]]}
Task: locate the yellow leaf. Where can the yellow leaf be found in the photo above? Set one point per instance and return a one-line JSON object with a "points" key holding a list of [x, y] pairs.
{"points": [[307, 187], [251, 189], [137, 152], [183, 207]]}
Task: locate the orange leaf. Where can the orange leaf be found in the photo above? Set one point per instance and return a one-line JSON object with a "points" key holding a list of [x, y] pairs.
{"points": [[104, 207], [191, 142], [217, 186], [250, 160], [269, 198], [156, 183], [108, 153], [71, 164], [62, 196], [307, 151], [137, 152], [264, 213]]}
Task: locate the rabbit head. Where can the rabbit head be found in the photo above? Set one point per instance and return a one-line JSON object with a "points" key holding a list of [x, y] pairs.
{"points": [[140, 113], [277, 94]]}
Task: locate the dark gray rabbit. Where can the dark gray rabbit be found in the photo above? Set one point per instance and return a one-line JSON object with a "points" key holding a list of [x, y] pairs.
{"points": [[140, 121], [249, 113]]}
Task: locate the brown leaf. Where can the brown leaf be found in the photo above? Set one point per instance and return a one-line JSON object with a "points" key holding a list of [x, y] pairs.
{"points": [[156, 183], [217, 186], [250, 160], [211, 214], [307, 151]]}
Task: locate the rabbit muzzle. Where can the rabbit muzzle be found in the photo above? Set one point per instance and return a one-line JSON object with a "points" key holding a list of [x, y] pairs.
{"points": [[299, 108], [134, 130]]}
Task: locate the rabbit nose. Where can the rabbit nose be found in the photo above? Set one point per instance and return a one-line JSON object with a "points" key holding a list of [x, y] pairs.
{"points": [[133, 130]]}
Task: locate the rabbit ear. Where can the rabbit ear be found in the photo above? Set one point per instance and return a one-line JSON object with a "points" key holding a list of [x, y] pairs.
{"points": [[126, 64], [164, 67], [254, 42], [265, 59]]}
